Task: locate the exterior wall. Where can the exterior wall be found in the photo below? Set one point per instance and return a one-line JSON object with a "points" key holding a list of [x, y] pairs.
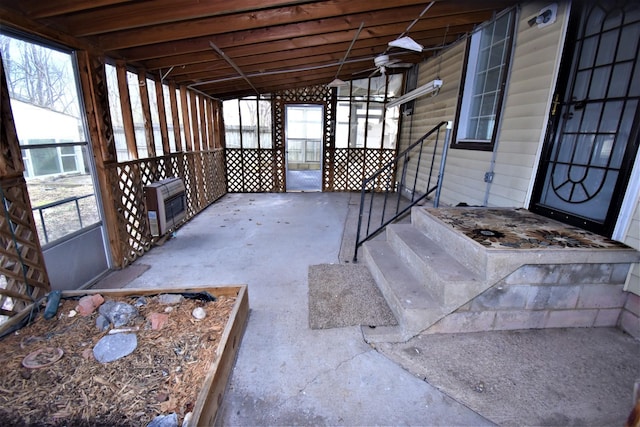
{"points": [[547, 296], [529, 93], [633, 239]]}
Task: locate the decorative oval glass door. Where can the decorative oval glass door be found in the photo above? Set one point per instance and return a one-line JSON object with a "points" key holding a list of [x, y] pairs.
{"points": [[593, 133]]}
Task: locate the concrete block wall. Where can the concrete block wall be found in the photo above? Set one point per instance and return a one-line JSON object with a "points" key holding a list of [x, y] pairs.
{"points": [[550, 296], [629, 320]]}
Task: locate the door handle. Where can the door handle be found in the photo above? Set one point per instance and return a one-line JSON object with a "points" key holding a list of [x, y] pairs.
{"points": [[580, 104]]}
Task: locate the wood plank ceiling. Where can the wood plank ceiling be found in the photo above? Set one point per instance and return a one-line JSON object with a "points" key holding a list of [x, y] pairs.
{"points": [[276, 44]]}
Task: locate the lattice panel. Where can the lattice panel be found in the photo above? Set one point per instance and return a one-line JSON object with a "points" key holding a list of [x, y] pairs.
{"points": [[211, 176], [254, 170], [328, 164], [202, 173], [101, 93], [233, 162], [23, 272], [311, 94], [343, 169], [352, 165]]}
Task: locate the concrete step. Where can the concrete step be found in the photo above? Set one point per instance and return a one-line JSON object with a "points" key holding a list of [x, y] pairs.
{"points": [[441, 273], [470, 253], [413, 304]]}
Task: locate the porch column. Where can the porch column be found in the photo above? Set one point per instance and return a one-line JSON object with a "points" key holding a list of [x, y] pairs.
{"points": [[96, 99], [22, 262]]}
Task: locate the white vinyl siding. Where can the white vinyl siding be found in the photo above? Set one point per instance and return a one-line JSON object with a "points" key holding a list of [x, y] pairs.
{"points": [[529, 91], [633, 239], [464, 169], [529, 94]]}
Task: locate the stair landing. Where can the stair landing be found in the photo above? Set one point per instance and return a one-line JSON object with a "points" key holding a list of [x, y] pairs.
{"points": [[470, 269]]}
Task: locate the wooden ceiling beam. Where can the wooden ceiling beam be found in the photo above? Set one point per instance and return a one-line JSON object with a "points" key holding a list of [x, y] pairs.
{"points": [[37, 9], [325, 53], [149, 13], [329, 31], [362, 60], [307, 19], [262, 52], [288, 80]]}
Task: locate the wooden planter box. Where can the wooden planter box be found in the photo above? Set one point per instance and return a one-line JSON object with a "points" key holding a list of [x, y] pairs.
{"points": [[214, 384]]}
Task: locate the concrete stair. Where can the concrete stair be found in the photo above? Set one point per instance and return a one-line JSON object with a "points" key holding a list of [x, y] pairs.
{"points": [[427, 270], [420, 282]]}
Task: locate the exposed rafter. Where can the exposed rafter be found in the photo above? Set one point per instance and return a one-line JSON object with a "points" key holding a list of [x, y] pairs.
{"points": [[274, 45]]}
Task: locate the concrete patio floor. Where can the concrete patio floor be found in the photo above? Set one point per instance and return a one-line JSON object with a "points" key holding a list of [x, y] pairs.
{"points": [[289, 374]]}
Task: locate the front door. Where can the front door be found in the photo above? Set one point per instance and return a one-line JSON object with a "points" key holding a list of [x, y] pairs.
{"points": [[592, 138]]}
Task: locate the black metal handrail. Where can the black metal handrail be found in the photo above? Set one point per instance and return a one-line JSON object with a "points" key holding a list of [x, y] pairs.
{"points": [[396, 183]]}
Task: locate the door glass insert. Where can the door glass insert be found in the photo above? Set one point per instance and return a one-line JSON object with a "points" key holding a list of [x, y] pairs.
{"points": [[303, 145], [595, 136]]}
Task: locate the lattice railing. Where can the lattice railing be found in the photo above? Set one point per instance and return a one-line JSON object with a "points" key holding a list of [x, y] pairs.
{"points": [[23, 276], [352, 165], [254, 171], [203, 174]]}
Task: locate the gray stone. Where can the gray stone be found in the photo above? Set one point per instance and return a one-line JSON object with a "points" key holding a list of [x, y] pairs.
{"points": [[170, 420], [114, 347], [553, 297], [168, 299], [102, 323], [140, 302], [119, 313], [501, 298]]}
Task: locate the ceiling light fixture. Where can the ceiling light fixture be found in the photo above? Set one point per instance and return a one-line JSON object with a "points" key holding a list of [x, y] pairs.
{"points": [[431, 87], [403, 40], [408, 43], [337, 83]]}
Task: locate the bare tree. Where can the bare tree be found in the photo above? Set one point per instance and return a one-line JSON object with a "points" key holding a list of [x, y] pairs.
{"points": [[39, 75]]}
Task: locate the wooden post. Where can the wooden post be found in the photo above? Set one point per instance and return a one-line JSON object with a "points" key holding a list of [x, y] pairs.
{"points": [[96, 100], [210, 124], [127, 115], [218, 125], [188, 142], [162, 117], [146, 113], [195, 146], [177, 135], [203, 124]]}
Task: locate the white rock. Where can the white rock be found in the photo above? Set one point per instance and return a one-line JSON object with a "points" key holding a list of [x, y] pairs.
{"points": [[199, 313]]}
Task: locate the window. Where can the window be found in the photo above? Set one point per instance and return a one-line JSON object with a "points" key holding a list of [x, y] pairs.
{"points": [[361, 119], [50, 127], [488, 58], [247, 123]]}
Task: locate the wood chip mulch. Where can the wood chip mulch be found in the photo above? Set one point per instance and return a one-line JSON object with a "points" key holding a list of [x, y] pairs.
{"points": [[163, 375]]}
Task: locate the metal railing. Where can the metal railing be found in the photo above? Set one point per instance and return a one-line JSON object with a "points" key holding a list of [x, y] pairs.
{"points": [[395, 173], [40, 209]]}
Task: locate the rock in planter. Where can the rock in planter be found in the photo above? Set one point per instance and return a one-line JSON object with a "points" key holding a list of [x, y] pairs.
{"points": [[169, 299], [88, 303], [158, 320], [170, 420], [114, 347], [118, 313], [102, 323]]}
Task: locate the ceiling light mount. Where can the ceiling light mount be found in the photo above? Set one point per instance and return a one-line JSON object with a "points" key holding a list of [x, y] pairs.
{"points": [[408, 43]]}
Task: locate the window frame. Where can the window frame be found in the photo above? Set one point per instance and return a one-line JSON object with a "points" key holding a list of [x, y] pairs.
{"points": [[467, 82]]}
